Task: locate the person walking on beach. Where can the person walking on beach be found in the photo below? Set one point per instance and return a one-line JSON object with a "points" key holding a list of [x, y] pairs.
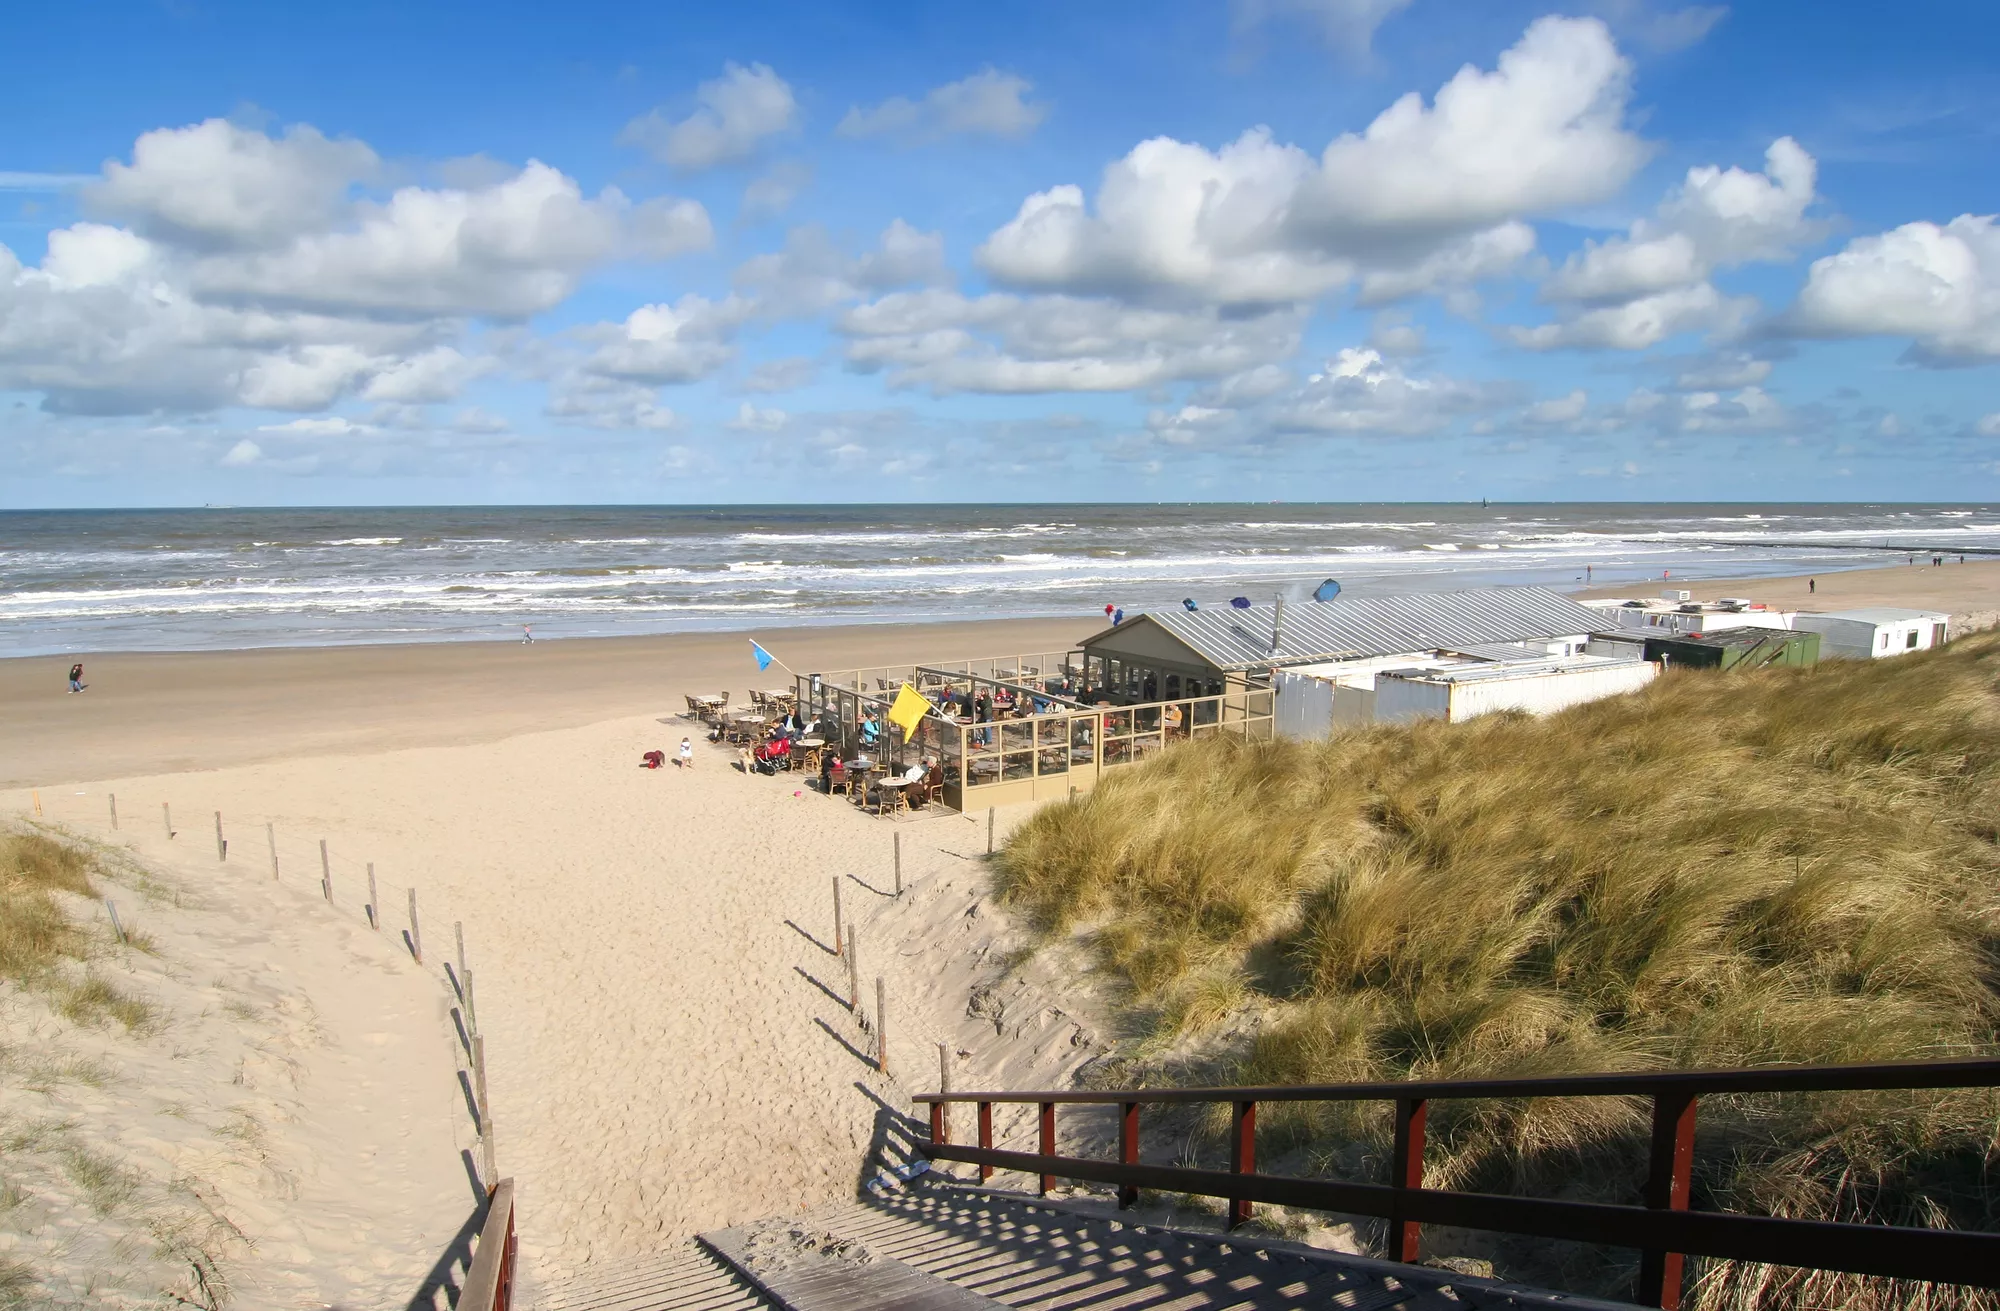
{"points": [[1812, 585], [76, 677], [687, 754], [527, 634]]}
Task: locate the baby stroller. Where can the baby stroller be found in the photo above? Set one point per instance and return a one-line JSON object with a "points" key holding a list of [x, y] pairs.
{"points": [[772, 756]]}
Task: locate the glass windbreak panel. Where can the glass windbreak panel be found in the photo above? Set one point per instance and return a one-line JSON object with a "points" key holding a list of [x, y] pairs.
{"points": [[1082, 738], [1017, 734], [1052, 746], [1205, 711], [1117, 723], [1017, 764], [1117, 750]]}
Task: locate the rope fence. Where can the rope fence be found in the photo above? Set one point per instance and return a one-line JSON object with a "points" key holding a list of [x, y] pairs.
{"points": [[348, 885]]}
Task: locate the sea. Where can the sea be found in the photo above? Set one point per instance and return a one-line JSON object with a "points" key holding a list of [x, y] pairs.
{"points": [[220, 578]]}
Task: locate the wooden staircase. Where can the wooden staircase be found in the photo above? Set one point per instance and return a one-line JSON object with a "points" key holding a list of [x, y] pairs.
{"points": [[1023, 1253]]}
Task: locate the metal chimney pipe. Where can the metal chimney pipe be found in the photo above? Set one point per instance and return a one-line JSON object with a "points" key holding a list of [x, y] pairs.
{"points": [[1277, 625]]}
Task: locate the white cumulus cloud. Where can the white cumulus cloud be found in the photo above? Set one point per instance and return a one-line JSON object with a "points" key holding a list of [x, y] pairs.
{"points": [[248, 269], [944, 341], [219, 185], [1426, 193], [1938, 285], [1634, 291], [988, 103], [737, 111]]}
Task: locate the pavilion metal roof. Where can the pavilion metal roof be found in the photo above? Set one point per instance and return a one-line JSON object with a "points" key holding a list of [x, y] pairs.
{"points": [[1351, 626]]}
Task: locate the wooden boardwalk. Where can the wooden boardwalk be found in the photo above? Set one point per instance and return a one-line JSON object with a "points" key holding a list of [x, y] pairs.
{"points": [[1017, 1253]]}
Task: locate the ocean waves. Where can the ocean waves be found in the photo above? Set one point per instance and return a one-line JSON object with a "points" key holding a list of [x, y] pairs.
{"points": [[119, 580]]}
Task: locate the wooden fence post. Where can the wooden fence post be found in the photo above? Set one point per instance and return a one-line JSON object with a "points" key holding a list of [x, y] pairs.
{"points": [[1242, 1156], [458, 935], [37, 794], [485, 1109], [899, 862], [989, 830], [325, 872], [167, 818], [221, 847], [881, 1025], [839, 942], [114, 810], [471, 1007], [1668, 1184], [374, 903], [271, 832], [116, 928], [416, 935], [854, 971]]}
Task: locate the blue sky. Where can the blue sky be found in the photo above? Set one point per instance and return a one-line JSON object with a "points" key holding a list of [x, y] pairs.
{"points": [[1274, 249]]}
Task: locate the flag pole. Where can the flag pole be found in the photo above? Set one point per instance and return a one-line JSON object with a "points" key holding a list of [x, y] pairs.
{"points": [[773, 659]]}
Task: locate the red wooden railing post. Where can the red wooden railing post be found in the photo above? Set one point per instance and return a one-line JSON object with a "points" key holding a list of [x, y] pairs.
{"points": [[1242, 1157], [1406, 1170], [940, 1127], [1048, 1143], [985, 1138], [1669, 1173], [1128, 1151]]}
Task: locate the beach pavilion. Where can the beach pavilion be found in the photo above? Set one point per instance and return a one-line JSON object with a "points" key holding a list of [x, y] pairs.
{"points": [[1171, 654], [1051, 724]]}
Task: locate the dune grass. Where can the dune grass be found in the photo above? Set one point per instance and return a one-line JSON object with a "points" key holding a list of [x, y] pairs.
{"points": [[1723, 869], [44, 950]]}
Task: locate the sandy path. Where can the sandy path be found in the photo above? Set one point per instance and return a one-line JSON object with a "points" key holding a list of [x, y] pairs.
{"points": [[660, 1055]]}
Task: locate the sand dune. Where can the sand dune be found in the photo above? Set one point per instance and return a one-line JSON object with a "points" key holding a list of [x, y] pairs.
{"points": [[668, 1047]]}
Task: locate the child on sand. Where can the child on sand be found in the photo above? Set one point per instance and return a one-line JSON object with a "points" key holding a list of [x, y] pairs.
{"points": [[76, 683], [687, 754]]}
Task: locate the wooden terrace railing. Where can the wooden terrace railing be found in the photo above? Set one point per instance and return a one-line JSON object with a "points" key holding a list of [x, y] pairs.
{"points": [[1663, 1228], [489, 1281]]}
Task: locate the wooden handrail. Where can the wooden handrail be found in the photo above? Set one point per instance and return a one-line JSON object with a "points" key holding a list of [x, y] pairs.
{"points": [[1972, 1072], [489, 1281], [1663, 1229]]}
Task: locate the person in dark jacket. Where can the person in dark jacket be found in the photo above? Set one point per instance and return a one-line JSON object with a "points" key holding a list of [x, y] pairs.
{"points": [[76, 683]]}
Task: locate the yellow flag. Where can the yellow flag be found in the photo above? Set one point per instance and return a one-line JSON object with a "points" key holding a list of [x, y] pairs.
{"points": [[909, 711]]}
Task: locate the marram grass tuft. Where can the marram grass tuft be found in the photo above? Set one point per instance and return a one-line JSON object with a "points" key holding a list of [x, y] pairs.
{"points": [[1723, 869]]}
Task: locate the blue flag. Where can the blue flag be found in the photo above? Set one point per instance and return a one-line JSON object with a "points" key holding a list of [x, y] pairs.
{"points": [[763, 656]]}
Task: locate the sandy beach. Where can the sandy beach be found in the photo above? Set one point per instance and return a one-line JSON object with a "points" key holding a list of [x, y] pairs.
{"points": [[152, 712], [670, 1044], [1969, 592]]}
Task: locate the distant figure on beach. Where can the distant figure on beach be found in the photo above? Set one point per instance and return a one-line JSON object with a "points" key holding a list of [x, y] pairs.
{"points": [[1586, 573], [1812, 585], [687, 754], [527, 634], [76, 677]]}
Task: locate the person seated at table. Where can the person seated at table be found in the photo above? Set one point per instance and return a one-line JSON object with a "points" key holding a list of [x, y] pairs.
{"points": [[871, 731], [1172, 718]]}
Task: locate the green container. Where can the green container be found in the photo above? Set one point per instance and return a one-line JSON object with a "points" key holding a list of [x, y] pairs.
{"points": [[1736, 648]]}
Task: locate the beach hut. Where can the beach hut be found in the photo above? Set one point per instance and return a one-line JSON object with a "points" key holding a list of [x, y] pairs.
{"points": [[1877, 631]]}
